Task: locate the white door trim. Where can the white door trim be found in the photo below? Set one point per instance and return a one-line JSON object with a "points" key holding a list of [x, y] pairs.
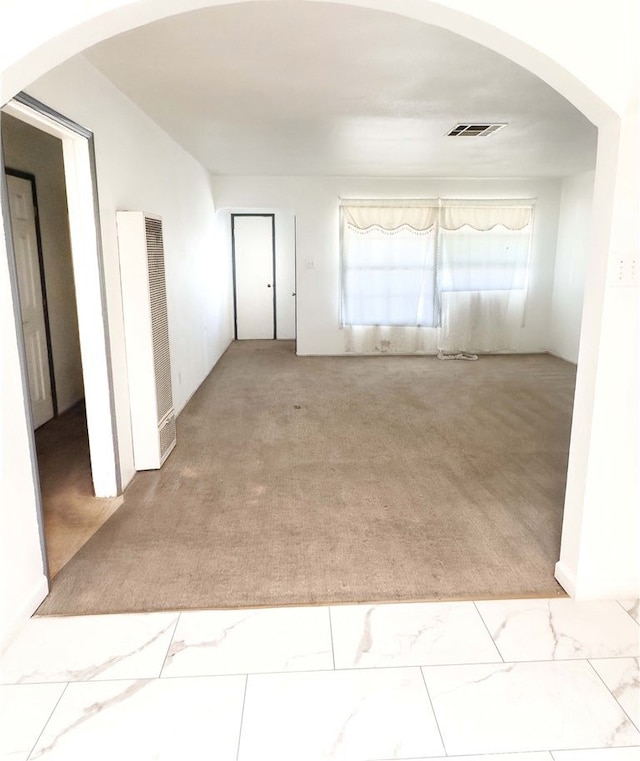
{"points": [[86, 248], [241, 305]]}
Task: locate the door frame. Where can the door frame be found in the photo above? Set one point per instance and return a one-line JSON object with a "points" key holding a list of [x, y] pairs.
{"points": [[86, 248], [273, 266], [43, 283]]}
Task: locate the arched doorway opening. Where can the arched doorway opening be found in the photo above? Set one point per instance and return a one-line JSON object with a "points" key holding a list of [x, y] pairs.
{"points": [[590, 409]]}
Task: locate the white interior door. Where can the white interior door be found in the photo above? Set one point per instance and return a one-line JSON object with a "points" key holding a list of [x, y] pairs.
{"points": [[253, 253], [25, 243]]}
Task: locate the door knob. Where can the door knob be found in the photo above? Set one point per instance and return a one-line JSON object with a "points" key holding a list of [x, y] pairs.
{"points": [[268, 285]]}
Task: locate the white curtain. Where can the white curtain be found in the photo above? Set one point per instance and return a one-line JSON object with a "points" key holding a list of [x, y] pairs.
{"points": [[485, 215], [380, 339], [392, 217], [457, 264], [482, 280], [480, 321], [388, 277]]}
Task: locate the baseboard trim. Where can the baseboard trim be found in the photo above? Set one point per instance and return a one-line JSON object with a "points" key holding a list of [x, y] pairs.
{"points": [[560, 356], [566, 579], [601, 587], [208, 373], [12, 628]]}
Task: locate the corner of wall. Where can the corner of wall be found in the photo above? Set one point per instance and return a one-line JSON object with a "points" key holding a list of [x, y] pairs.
{"points": [[20, 617], [565, 578]]}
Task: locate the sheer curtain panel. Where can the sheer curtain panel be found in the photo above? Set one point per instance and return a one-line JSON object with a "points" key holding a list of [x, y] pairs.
{"points": [[456, 265], [483, 258], [388, 265]]}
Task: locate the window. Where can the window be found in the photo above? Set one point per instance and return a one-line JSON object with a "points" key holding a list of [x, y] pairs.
{"points": [[483, 260], [388, 266], [388, 277], [403, 262]]}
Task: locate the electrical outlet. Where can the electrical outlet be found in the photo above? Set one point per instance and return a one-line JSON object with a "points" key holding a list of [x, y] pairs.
{"points": [[625, 270]]}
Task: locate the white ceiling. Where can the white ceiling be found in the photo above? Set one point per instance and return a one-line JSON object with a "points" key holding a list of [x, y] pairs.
{"points": [[291, 88]]}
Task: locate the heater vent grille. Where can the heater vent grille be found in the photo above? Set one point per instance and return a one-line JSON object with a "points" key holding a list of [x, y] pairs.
{"points": [[146, 329], [167, 436], [159, 324]]}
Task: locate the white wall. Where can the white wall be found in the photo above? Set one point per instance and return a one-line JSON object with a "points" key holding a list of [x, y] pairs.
{"points": [[139, 167], [572, 255], [541, 38], [314, 201], [31, 150], [600, 549], [23, 584]]}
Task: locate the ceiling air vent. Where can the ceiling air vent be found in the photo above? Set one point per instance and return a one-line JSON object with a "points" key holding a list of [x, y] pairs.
{"points": [[474, 130]]}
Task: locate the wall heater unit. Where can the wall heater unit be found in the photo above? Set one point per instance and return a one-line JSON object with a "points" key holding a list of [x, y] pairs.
{"points": [[144, 301]]}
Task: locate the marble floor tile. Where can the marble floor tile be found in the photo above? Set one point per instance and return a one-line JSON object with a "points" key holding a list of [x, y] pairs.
{"points": [[535, 756], [363, 714], [622, 677], [525, 707], [250, 641], [601, 754], [633, 608], [24, 710], [83, 648], [141, 720], [413, 634], [14, 756], [558, 629]]}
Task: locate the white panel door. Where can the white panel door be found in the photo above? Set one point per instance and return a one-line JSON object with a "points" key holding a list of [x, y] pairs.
{"points": [[25, 243], [254, 275]]}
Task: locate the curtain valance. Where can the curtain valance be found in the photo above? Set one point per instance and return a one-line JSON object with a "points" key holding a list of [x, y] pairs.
{"points": [[390, 218], [514, 214], [483, 216]]}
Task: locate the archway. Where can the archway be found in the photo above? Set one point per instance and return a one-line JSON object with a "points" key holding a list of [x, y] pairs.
{"points": [[35, 51]]}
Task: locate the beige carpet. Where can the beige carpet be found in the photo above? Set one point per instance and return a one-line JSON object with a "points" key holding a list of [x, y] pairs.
{"points": [[302, 480], [72, 514]]}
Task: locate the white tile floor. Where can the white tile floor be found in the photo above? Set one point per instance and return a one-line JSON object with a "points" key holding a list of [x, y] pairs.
{"points": [[516, 680]]}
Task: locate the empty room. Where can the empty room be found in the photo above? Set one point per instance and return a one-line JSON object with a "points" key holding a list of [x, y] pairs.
{"points": [[319, 361], [393, 233]]}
